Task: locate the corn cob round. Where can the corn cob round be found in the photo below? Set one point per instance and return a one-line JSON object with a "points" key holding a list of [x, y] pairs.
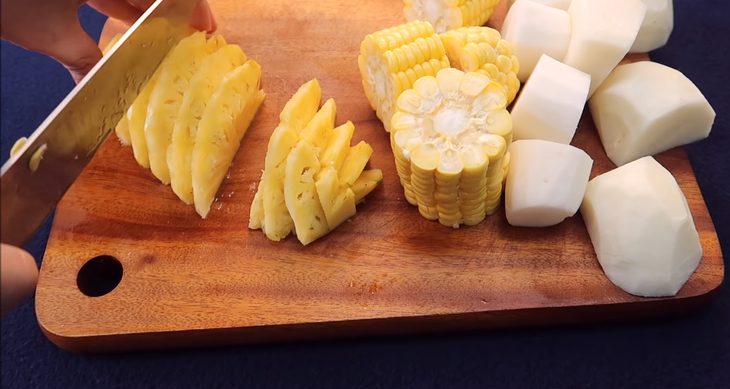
{"points": [[391, 60], [482, 50], [450, 14], [449, 136]]}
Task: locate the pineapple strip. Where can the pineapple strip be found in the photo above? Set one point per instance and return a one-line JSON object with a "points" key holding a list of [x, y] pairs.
{"points": [[338, 202], [318, 129], [136, 116], [176, 71], [225, 121], [202, 86], [300, 193], [366, 183], [355, 162]]}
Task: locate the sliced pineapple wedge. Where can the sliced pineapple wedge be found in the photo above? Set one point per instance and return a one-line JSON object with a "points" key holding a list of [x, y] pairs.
{"points": [[366, 183], [225, 120], [195, 99], [310, 171], [176, 70], [300, 193], [136, 117]]}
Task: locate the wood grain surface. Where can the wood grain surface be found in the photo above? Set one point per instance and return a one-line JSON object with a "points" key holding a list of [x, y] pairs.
{"points": [[192, 282]]}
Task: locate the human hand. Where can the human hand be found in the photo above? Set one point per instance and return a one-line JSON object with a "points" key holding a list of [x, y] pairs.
{"points": [[52, 27], [18, 276]]}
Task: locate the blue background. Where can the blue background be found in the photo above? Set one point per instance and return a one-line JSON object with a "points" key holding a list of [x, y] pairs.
{"points": [[687, 352]]}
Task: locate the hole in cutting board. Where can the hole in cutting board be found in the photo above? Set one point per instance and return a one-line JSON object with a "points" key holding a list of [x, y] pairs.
{"points": [[99, 275]]}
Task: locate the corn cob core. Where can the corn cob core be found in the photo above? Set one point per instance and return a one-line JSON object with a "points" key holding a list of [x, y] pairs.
{"points": [[449, 136], [391, 60], [450, 14], [482, 50]]}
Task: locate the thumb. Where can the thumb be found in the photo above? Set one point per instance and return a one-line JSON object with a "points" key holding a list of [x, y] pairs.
{"points": [[75, 50], [18, 276]]}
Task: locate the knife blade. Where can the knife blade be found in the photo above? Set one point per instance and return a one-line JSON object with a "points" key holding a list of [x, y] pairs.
{"points": [[36, 177]]}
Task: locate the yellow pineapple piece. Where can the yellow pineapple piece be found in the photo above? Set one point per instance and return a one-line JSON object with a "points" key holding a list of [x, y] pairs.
{"points": [[225, 120], [300, 193], [302, 107], [201, 87], [318, 129], [338, 201], [122, 131], [176, 70], [338, 144], [355, 162], [365, 184], [136, 117]]}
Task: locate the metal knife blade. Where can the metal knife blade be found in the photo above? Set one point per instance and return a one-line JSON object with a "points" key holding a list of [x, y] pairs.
{"points": [[65, 142]]}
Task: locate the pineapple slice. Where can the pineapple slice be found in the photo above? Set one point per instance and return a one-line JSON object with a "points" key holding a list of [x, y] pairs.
{"points": [[318, 129], [225, 120], [338, 202], [302, 107], [365, 184], [122, 128], [176, 71], [354, 164], [179, 154], [136, 116], [300, 193], [338, 144]]}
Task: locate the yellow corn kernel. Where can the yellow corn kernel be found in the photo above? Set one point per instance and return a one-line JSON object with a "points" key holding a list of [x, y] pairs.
{"points": [[450, 14], [391, 60], [482, 50], [449, 137]]}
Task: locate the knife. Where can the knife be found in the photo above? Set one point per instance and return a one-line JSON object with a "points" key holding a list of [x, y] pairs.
{"points": [[35, 178]]}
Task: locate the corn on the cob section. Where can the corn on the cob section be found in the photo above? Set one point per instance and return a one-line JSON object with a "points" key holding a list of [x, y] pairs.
{"points": [[482, 50], [450, 14], [391, 60], [188, 120], [449, 137], [312, 178]]}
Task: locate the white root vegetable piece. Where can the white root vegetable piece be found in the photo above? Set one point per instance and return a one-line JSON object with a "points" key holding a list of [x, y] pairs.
{"points": [[657, 26], [602, 31], [561, 4], [535, 29], [645, 108], [545, 183], [551, 102], [642, 229]]}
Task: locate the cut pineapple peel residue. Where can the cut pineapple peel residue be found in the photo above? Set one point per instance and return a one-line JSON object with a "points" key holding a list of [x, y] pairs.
{"points": [[449, 136], [312, 177]]}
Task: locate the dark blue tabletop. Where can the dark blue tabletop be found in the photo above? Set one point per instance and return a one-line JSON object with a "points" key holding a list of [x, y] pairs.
{"points": [[686, 352]]}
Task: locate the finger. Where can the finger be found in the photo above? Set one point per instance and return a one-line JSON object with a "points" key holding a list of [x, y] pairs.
{"points": [[75, 50], [18, 276], [203, 17], [117, 9]]}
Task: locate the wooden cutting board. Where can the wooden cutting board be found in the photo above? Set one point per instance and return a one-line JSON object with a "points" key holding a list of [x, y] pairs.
{"points": [[189, 282]]}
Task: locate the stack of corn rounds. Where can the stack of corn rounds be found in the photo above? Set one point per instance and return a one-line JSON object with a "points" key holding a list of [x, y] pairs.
{"points": [[482, 50], [312, 177], [450, 14], [450, 135], [391, 60], [187, 122]]}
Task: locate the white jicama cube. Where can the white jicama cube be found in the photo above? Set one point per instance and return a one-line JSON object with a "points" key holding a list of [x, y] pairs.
{"points": [[545, 183], [644, 108], [535, 29], [657, 26], [551, 102], [561, 4], [642, 229], [602, 31]]}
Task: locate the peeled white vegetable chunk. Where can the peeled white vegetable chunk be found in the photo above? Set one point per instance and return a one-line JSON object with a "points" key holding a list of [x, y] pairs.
{"points": [[602, 31], [545, 183], [645, 108], [535, 29], [657, 26], [642, 229], [551, 102], [561, 4]]}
